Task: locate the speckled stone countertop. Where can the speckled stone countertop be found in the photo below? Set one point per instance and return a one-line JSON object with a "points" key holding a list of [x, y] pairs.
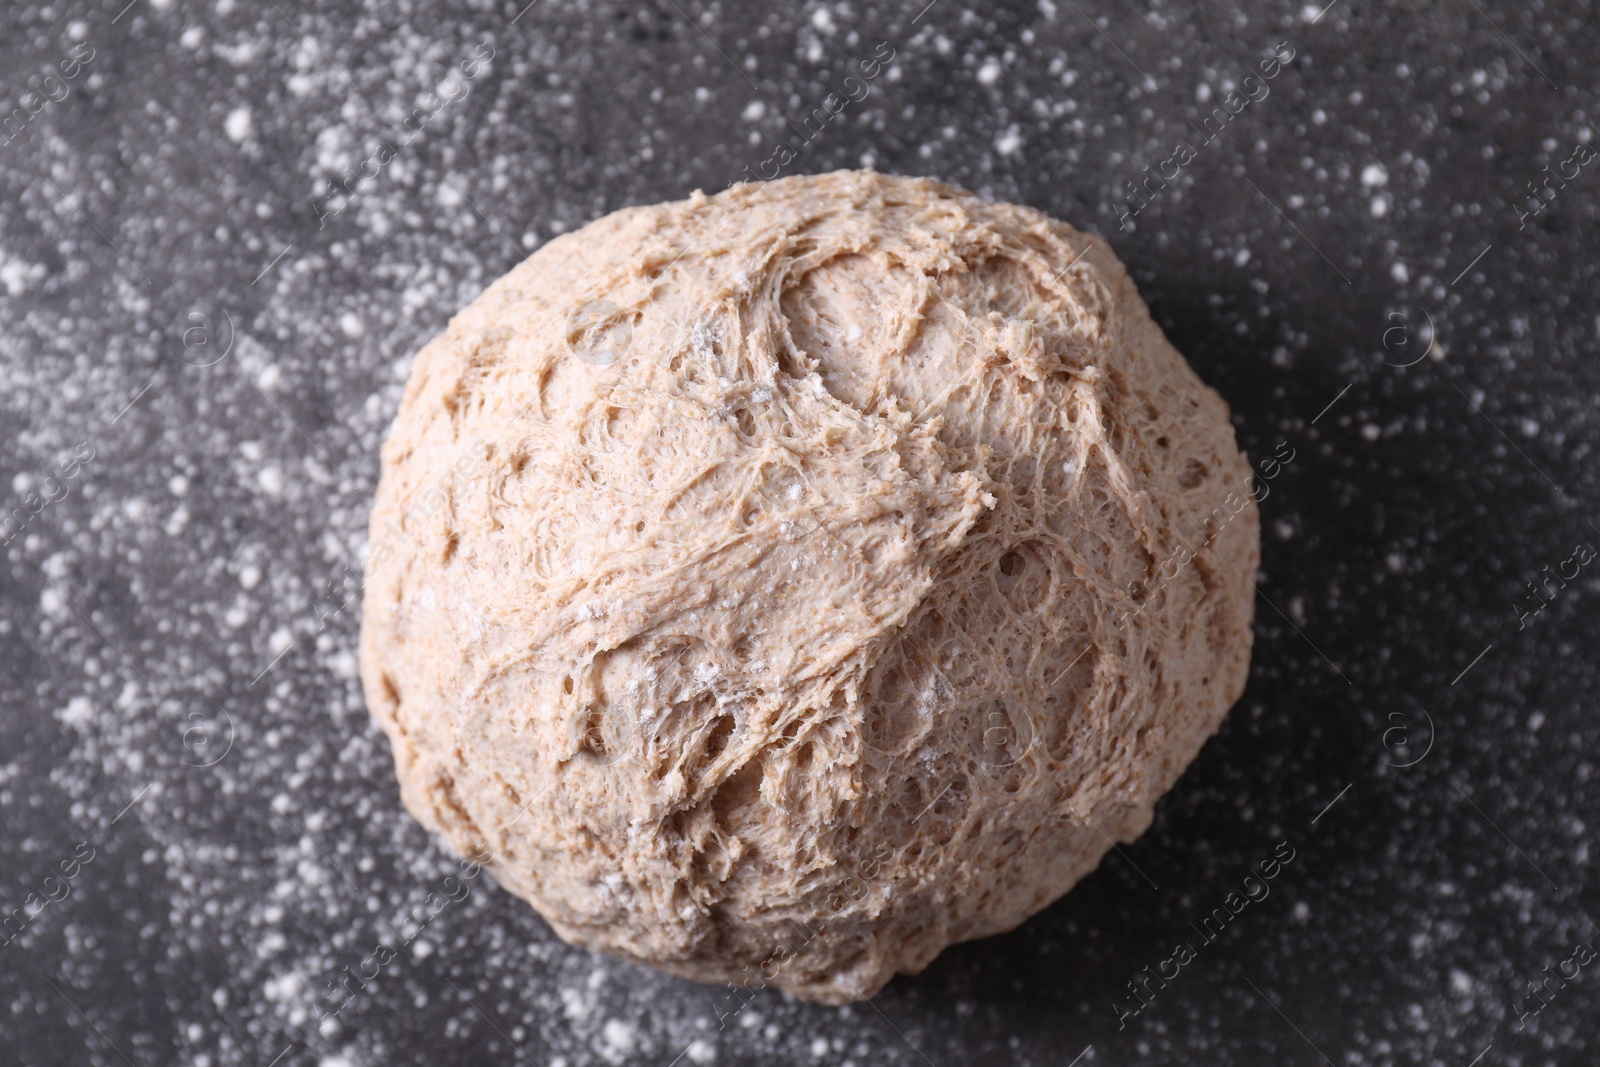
{"points": [[226, 226]]}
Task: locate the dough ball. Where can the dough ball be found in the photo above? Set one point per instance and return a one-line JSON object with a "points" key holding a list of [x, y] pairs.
{"points": [[779, 586]]}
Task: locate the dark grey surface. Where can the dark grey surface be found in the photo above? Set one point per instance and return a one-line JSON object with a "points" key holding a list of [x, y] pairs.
{"points": [[196, 549]]}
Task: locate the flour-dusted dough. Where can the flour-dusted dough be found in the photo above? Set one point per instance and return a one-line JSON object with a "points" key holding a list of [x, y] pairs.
{"points": [[782, 585]]}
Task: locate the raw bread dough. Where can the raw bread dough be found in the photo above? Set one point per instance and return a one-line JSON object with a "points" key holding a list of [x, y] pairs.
{"points": [[779, 586]]}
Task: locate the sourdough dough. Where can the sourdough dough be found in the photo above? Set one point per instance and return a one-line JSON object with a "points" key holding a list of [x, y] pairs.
{"points": [[779, 586]]}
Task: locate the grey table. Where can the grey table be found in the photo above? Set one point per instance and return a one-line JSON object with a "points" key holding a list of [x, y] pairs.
{"points": [[225, 227]]}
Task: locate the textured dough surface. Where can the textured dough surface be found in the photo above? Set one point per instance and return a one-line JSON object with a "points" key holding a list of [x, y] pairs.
{"points": [[846, 613]]}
